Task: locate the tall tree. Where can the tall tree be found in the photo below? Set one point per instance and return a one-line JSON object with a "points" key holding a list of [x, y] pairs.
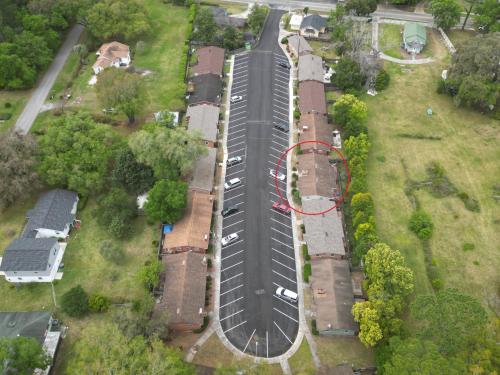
{"points": [[17, 167], [205, 27], [446, 13], [115, 212], [361, 7], [348, 75], [121, 90], [170, 152], [257, 17], [167, 201], [21, 355], [350, 113], [468, 9], [487, 16], [133, 176]]}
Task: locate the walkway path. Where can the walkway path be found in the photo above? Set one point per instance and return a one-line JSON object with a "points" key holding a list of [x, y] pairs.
{"points": [[32, 108], [427, 60]]}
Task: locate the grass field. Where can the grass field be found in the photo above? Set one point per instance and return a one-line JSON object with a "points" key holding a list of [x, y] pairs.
{"points": [[469, 153], [17, 100], [323, 49], [458, 36], [389, 40], [302, 362], [333, 351]]}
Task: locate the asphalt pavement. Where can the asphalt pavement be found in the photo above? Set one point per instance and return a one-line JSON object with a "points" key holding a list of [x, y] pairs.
{"points": [[252, 317]]}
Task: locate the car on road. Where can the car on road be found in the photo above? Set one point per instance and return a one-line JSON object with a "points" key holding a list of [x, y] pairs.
{"points": [[229, 211], [282, 207], [233, 237], [233, 161], [236, 99], [287, 294], [232, 183], [282, 127], [280, 176], [284, 64]]}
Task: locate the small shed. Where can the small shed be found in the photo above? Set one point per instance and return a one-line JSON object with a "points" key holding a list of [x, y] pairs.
{"points": [[295, 21], [414, 37]]}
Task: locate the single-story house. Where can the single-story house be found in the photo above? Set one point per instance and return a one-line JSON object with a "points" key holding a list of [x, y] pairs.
{"points": [[192, 232], [298, 45], [312, 97], [184, 289], [202, 178], [313, 25], [114, 54], [210, 61], [228, 20], [205, 119], [311, 68], [317, 177], [414, 37], [53, 215], [32, 260], [35, 324], [332, 297], [315, 127], [205, 88], [324, 233], [296, 21], [218, 11]]}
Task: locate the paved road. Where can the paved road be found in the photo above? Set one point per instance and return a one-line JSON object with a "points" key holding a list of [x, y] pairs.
{"points": [[253, 319], [30, 111]]}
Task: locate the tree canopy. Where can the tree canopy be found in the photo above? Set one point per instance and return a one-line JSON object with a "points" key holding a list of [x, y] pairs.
{"points": [[257, 17], [75, 152], [350, 113], [446, 13], [21, 355], [167, 201], [115, 212], [361, 7], [348, 75], [128, 173], [205, 27], [487, 14], [75, 302]]}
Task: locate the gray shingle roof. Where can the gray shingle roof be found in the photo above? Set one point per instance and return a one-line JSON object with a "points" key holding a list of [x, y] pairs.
{"points": [[52, 211], [313, 21], [299, 44], [27, 254], [204, 171], [207, 89], [24, 323], [311, 68], [204, 117]]}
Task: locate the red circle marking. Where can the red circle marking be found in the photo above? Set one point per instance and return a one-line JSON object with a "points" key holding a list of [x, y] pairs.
{"points": [[337, 201]]}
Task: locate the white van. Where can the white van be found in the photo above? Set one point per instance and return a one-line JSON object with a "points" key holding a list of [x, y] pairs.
{"points": [[233, 161], [232, 183], [287, 294]]}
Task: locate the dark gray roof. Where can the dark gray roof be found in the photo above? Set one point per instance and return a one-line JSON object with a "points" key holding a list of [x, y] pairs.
{"points": [[224, 20], [218, 11], [207, 89], [52, 211], [27, 324], [313, 21], [27, 254]]}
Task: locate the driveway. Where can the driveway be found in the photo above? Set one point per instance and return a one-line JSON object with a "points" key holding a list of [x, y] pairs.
{"points": [[32, 108], [252, 317]]}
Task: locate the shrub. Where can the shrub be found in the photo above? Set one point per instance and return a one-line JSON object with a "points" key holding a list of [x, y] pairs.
{"points": [[284, 40], [75, 302], [98, 303], [421, 224], [303, 228], [294, 183], [305, 252], [468, 246], [314, 329], [206, 320], [112, 252], [307, 272], [296, 114], [382, 80], [4, 116], [7, 105], [149, 274], [115, 212], [209, 263], [437, 284], [470, 203]]}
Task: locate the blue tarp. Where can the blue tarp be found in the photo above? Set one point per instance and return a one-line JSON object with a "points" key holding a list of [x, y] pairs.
{"points": [[167, 228]]}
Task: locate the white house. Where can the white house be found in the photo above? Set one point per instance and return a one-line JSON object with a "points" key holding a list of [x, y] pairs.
{"points": [[114, 54], [313, 25], [295, 21]]}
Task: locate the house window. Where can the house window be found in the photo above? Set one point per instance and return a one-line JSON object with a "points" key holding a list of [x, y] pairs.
{"points": [[39, 278], [19, 278]]}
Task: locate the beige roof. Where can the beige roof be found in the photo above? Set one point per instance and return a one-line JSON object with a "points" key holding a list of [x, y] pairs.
{"points": [[315, 127], [111, 52], [205, 118], [332, 294], [184, 287], [316, 175], [324, 233], [311, 68], [298, 41], [312, 97], [202, 178], [210, 60], [193, 230]]}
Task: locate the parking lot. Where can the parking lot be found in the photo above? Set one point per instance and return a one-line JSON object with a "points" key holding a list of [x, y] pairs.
{"points": [[252, 316]]}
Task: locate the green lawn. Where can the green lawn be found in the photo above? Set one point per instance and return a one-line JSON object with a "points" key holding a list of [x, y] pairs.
{"points": [[231, 8], [323, 49], [458, 36], [65, 77], [389, 39], [335, 350], [302, 361], [469, 153], [12, 102]]}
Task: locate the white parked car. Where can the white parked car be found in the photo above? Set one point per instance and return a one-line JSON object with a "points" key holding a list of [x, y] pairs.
{"points": [[236, 98], [232, 183], [233, 237], [287, 294], [232, 161], [280, 176]]}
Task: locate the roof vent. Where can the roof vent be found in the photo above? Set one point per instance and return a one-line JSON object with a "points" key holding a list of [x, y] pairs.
{"points": [[206, 237], [178, 311], [200, 311]]}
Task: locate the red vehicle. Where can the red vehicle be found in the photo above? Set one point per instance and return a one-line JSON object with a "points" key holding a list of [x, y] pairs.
{"points": [[282, 207]]}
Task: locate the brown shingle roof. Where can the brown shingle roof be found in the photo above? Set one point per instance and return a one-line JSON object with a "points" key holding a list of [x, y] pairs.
{"points": [[193, 229], [332, 294], [312, 97], [210, 60], [202, 178], [110, 52], [315, 127], [296, 42], [316, 175], [184, 287]]}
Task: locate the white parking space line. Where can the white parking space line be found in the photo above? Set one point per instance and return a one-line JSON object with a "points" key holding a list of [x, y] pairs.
{"points": [[284, 265], [237, 119], [280, 112], [279, 252], [243, 74], [276, 195], [238, 105], [236, 196], [232, 174], [229, 303], [237, 131], [237, 204], [230, 290], [288, 316], [290, 341], [280, 91], [279, 222], [237, 111], [236, 144], [278, 151], [275, 134], [237, 312], [232, 255], [232, 277], [286, 235], [282, 243], [284, 101], [235, 152], [274, 186], [283, 276], [236, 326], [243, 124], [233, 215], [281, 107], [236, 243], [282, 300], [281, 119], [279, 144], [279, 213], [230, 225], [267, 344], [248, 342]]}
